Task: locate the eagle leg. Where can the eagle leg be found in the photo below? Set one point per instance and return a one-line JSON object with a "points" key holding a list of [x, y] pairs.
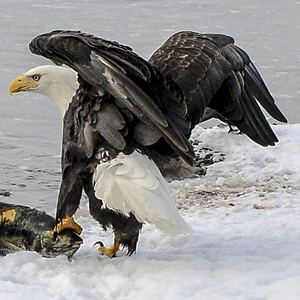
{"points": [[111, 251], [68, 223]]}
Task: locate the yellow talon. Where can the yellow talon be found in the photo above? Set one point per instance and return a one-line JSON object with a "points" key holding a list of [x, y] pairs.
{"points": [[68, 223], [111, 251]]}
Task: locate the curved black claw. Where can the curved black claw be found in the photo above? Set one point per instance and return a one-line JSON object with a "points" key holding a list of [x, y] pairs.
{"points": [[111, 251], [99, 243]]}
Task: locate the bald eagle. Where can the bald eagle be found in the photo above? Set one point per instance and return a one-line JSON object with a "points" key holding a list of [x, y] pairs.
{"points": [[129, 114]]}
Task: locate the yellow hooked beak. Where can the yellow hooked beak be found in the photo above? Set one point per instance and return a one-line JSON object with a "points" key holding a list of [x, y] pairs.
{"points": [[21, 84]]}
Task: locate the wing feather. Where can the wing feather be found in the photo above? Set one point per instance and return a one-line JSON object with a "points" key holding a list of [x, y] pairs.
{"points": [[129, 79], [206, 68], [109, 123]]}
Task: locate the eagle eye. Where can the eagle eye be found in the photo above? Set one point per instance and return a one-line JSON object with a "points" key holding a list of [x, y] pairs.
{"points": [[36, 77]]}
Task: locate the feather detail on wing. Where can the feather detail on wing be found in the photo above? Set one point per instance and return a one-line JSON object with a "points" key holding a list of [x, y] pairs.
{"points": [[133, 184]]}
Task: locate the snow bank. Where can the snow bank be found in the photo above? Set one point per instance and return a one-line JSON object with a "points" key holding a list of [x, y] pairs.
{"points": [[245, 214]]}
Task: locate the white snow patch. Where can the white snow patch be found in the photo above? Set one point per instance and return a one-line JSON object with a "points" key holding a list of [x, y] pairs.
{"points": [[245, 245]]}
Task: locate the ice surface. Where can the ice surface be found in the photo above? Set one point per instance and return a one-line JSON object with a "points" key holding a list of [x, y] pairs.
{"points": [[245, 212]]}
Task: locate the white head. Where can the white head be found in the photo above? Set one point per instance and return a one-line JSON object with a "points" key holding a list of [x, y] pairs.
{"points": [[54, 82]]}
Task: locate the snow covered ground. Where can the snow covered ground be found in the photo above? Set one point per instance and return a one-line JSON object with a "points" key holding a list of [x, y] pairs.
{"points": [[245, 213]]}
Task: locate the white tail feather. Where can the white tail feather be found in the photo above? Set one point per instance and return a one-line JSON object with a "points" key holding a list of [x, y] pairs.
{"points": [[133, 183]]}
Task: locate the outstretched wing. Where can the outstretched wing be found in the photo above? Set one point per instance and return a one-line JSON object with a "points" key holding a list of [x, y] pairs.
{"points": [[213, 72], [132, 82]]}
